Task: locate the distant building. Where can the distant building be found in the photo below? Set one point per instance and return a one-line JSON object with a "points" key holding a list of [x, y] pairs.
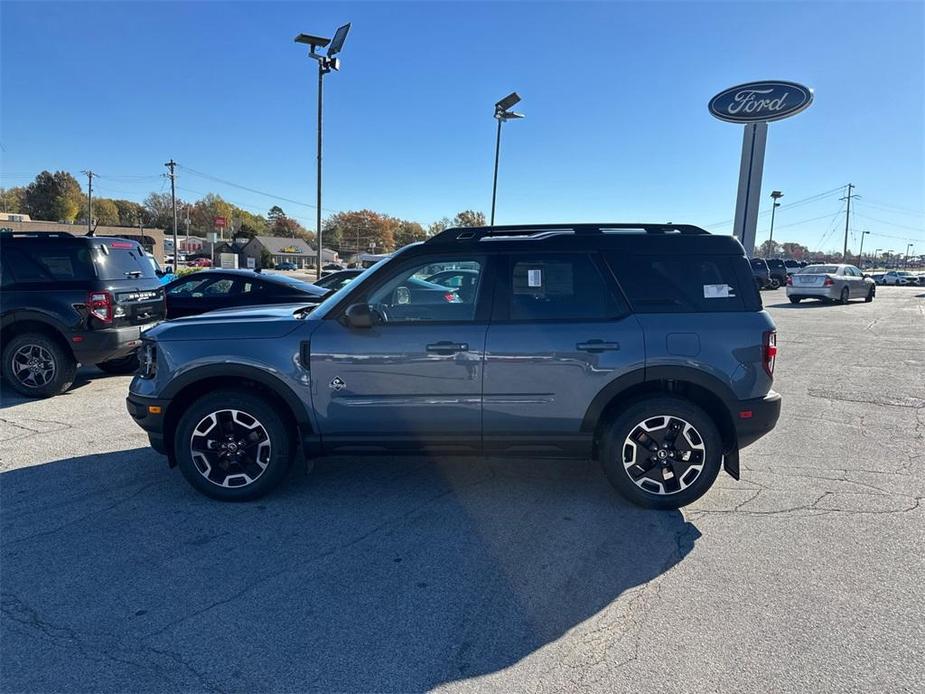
{"points": [[286, 250]]}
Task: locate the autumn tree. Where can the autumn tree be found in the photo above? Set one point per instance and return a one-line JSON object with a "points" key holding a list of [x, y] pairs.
{"points": [[357, 230], [794, 250], [54, 197], [160, 211], [130, 213], [441, 224]]}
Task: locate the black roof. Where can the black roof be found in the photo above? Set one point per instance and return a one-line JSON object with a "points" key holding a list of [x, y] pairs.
{"points": [[639, 237], [271, 277]]}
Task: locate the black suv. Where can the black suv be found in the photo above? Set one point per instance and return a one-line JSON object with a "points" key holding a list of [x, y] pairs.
{"points": [[643, 345], [779, 272], [68, 300]]}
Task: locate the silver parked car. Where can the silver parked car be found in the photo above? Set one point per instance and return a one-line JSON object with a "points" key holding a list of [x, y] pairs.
{"points": [[830, 283]]}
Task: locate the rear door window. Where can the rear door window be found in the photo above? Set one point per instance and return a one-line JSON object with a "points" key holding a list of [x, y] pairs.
{"points": [[660, 284], [557, 286]]}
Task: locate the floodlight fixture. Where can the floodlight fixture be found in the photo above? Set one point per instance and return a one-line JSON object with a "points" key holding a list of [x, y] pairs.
{"points": [[337, 43], [508, 101]]}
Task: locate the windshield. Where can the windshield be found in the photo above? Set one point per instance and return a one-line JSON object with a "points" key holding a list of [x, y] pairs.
{"points": [[117, 263], [819, 270], [335, 298]]}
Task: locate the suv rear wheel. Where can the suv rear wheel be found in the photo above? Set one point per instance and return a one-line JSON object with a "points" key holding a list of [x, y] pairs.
{"points": [[662, 452], [37, 366], [232, 445]]}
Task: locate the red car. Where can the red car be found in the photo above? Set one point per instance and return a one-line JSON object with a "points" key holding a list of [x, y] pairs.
{"points": [[201, 262]]}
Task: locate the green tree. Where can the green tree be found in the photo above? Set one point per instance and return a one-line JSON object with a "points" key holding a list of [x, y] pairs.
{"points": [[469, 218], [206, 209], [105, 212], [13, 200], [408, 232], [53, 197]]}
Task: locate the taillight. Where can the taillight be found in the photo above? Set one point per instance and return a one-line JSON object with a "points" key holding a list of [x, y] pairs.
{"points": [[827, 282], [100, 305], [789, 280], [769, 351]]}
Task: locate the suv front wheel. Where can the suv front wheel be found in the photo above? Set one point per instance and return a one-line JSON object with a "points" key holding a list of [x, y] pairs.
{"points": [[37, 366], [232, 445], [662, 452]]}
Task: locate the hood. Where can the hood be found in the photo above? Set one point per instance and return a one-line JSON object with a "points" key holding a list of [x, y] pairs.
{"points": [[249, 323]]}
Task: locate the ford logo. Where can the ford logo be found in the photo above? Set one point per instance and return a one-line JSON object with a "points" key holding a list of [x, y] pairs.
{"points": [[760, 101]]}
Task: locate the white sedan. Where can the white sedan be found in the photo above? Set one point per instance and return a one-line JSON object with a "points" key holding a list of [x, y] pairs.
{"points": [[830, 283]]}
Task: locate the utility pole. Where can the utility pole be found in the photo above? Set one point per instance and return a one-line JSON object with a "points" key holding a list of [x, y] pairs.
{"points": [[844, 253], [171, 165], [861, 250], [906, 256], [90, 176], [187, 231]]}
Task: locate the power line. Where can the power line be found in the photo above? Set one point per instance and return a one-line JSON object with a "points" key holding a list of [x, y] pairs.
{"points": [[788, 206], [893, 208], [249, 189], [889, 224]]}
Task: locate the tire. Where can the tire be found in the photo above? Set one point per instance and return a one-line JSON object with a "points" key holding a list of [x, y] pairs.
{"points": [[37, 366], [658, 414], [871, 293], [123, 365], [843, 297], [775, 283], [795, 299], [264, 462]]}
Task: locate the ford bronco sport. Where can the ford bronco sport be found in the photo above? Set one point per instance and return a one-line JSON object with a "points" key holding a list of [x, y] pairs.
{"points": [[642, 345], [68, 300]]}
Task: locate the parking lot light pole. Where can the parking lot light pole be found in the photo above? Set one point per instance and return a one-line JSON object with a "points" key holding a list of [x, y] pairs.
{"points": [[861, 249], [326, 63], [502, 114], [775, 196], [906, 256]]}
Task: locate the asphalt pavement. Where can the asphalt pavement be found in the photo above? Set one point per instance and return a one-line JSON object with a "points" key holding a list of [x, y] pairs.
{"points": [[485, 576]]}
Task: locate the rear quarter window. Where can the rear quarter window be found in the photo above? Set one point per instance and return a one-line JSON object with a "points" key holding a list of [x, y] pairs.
{"points": [[666, 284], [49, 262]]}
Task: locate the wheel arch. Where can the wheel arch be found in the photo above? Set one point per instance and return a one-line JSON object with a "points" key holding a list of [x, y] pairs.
{"points": [[192, 385], [32, 323], [703, 389]]}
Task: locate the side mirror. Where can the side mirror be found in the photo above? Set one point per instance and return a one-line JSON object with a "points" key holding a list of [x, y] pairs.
{"points": [[359, 316]]}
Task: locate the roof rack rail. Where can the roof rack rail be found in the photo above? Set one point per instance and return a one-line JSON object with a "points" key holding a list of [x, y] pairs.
{"points": [[40, 234], [479, 233]]}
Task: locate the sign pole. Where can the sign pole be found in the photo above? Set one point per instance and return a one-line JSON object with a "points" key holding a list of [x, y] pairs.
{"points": [[748, 199]]}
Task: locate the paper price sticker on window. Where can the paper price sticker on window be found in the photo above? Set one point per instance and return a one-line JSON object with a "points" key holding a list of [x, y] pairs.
{"points": [[717, 291], [534, 278]]}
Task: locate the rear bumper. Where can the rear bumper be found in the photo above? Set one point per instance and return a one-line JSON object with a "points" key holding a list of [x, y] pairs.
{"points": [[149, 414], [813, 292], [110, 343], [756, 417]]}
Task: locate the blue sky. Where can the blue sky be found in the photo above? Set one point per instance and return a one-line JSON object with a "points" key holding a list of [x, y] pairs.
{"points": [[615, 96]]}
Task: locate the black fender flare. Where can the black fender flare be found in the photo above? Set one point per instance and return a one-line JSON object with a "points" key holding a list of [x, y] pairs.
{"points": [[243, 372]]}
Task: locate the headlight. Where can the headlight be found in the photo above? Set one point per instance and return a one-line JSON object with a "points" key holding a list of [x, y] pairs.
{"points": [[147, 359]]}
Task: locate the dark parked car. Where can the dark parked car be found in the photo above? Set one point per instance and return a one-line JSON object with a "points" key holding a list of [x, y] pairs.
{"points": [[335, 280], [642, 345], [463, 281], [761, 273], [778, 272], [286, 266], [209, 290], [69, 300], [792, 266]]}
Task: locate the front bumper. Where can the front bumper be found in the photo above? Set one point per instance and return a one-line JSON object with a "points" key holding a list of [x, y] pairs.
{"points": [[150, 414], [110, 343], [756, 417], [814, 292]]}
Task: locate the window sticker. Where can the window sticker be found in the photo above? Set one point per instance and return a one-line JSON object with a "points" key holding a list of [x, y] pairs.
{"points": [[717, 291], [535, 278]]}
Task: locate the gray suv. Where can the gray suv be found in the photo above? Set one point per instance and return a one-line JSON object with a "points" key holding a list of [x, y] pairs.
{"points": [[642, 345]]}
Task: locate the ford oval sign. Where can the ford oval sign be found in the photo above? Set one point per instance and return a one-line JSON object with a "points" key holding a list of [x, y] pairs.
{"points": [[760, 101]]}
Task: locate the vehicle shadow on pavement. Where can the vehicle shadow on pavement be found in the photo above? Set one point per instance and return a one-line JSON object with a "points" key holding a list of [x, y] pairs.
{"points": [[809, 304], [368, 575], [10, 398]]}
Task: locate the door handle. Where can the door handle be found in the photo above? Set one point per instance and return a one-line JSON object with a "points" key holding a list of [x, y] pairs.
{"points": [[595, 346], [447, 347]]}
